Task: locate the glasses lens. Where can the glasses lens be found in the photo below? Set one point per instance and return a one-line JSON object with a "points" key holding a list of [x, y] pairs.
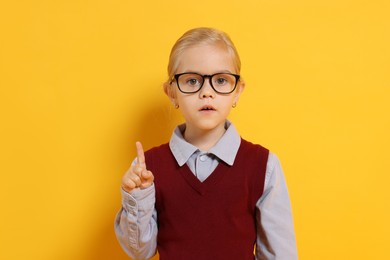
{"points": [[223, 83], [190, 82]]}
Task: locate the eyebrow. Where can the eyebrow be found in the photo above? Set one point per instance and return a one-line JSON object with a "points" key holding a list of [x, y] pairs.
{"points": [[197, 72]]}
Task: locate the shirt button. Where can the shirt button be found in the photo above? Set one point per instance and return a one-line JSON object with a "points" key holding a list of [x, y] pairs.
{"points": [[131, 203], [203, 158], [133, 227]]}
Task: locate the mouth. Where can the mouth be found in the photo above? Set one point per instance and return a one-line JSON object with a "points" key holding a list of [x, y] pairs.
{"points": [[207, 108]]}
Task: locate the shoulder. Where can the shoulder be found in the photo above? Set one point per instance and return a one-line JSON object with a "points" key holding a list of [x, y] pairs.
{"points": [[156, 156], [273, 168], [274, 172], [157, 153], [252, 156], [157, 149], [273, 162], [249, 147]]}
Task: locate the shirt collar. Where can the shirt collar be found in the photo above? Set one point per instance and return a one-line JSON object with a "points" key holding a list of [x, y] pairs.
{"points": [[226, 148]]}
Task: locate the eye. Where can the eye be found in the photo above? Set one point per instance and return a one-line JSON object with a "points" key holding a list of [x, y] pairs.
{"points": [[221, 81], [192, 82]]}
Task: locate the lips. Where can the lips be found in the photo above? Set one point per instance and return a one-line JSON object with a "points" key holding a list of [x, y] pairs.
{"points": [[207, 108]]}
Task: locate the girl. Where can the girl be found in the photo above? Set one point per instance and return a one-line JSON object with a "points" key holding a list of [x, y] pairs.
{"points": [[208, 193]]}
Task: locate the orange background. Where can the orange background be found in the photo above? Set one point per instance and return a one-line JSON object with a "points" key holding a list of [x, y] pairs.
{"points": [[80, 82]]}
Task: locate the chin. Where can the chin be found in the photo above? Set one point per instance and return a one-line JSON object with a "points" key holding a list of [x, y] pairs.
{"points": [[208, 126]]}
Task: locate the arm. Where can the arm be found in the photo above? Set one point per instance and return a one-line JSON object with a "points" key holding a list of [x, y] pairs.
{"points": [[275, 229], [136, 223]]}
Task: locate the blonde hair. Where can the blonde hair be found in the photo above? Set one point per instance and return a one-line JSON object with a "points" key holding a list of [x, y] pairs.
{"points": [[197, 36]]}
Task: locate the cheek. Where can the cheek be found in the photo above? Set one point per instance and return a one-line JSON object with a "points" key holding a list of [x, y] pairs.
{"points": [[184, 104], [185, 100], [227, 109], [186, 107], [230, 101], [228, 105]]}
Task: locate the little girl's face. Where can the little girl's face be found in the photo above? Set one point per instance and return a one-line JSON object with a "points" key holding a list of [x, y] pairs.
{"points": [[206, 110]]}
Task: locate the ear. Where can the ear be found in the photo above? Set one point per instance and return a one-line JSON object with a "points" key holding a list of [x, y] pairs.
{"points": [[169, 91], [239, 90]]}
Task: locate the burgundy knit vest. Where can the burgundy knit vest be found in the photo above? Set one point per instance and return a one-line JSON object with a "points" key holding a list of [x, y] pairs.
{"points": [[214, 219]]}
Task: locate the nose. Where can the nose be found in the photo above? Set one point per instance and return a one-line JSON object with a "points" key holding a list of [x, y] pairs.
{"points": [[206, 90]]}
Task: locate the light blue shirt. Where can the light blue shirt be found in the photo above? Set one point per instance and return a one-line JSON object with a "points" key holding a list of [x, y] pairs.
{"points": [[136, 222]]}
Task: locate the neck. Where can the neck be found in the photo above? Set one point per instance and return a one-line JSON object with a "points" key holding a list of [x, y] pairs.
{"points": [[203, 139]]}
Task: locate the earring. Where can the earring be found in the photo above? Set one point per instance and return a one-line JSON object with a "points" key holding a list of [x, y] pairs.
{"points": [[234, 105], [176, 106]]}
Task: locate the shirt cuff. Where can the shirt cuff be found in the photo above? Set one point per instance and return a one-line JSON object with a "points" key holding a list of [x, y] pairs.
{"points": [[138, 199]]}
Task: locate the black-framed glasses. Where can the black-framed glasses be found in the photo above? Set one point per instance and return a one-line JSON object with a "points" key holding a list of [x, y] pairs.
{"points": [[222, 83]]}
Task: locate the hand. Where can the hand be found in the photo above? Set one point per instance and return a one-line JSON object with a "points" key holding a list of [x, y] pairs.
{"points": [[137, 176]]}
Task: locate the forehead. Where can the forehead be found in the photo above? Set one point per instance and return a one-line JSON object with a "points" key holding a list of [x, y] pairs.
{"points": [[206, 59]]}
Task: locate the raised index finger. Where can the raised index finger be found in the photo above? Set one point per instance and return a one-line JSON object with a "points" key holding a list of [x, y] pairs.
{"points": [[140, 154]]}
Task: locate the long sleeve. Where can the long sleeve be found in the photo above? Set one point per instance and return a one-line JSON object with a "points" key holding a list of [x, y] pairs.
{"points": [[136, 223], [275, 234]]}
